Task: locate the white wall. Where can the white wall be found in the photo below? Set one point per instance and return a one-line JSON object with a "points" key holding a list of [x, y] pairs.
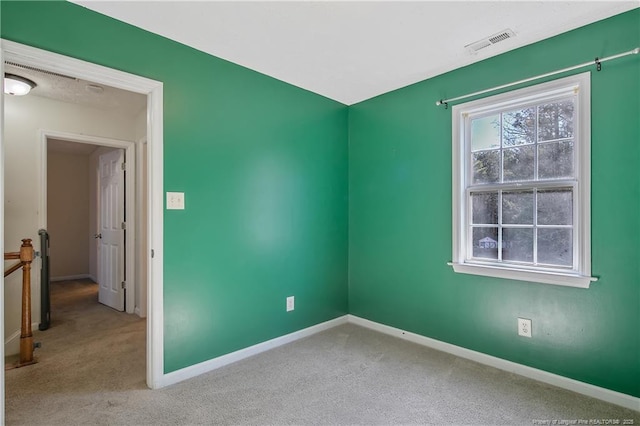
{"points": [[68, 213], [25, 118], [140, 129], [141, 214]]}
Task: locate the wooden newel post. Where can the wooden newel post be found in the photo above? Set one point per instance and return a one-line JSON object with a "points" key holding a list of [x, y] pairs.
{"points": [[26, 337]]}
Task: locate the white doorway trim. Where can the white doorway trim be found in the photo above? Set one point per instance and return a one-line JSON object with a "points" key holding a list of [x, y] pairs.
{"points": [[132, 244], [141, 234], [27, 55]]}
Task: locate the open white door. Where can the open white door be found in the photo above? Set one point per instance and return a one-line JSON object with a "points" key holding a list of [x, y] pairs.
{"points": [[111, 245]]}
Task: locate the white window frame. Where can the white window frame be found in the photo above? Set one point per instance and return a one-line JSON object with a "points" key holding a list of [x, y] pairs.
{"points": [[580, 274]]}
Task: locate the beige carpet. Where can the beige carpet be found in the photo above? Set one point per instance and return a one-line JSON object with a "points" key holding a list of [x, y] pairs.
{"points": [[89, 351], [92, 371]]}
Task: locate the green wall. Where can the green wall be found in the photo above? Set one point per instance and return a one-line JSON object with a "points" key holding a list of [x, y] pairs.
{"points": [[266, 168], [263, 166], [400, 219]]}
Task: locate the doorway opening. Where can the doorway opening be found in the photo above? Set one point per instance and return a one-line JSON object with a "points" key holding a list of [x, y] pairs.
{"points": [[11, 52], [92, 197]]}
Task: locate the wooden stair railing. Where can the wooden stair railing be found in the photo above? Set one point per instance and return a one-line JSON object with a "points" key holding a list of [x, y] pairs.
{"points": [[25, 256]]}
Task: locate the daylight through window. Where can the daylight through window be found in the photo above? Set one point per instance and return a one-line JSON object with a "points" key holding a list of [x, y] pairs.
{"points": [[521, 178]]}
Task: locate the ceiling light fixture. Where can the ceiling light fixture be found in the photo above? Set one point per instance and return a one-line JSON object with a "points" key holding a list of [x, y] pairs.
{"points": [[16, 85]]}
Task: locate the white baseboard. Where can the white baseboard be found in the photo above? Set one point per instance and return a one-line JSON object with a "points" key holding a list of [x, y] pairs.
{"points": [[587, 389], [71, 277], [593, 391], [16, 334], [221, 361]]}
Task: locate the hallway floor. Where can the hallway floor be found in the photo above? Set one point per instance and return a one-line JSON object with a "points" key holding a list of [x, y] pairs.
{"points": [[88, 349]]}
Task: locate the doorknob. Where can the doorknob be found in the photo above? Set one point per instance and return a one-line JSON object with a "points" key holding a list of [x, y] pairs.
{"points": [[96, 236]]}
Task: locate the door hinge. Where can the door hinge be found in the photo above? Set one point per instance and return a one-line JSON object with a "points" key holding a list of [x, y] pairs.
{"points": [[124, 225], [153, 253], [123, 166], [123, 284]]}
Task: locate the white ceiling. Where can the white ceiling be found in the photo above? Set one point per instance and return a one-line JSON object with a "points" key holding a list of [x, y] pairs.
{"points": [[354, 50]]}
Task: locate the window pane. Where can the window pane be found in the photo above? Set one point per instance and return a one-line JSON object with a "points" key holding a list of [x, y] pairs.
{"points": [[517, 244], [555, 246], [485, 208], [555, 120], [517, 208], [555, 207], [485, 133], [555, 160], [486, 166], [485, 243], [518, 127], [518, 164]]}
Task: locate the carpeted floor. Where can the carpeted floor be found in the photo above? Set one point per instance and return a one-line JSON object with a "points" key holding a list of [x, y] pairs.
{"points": [[92, 371]]}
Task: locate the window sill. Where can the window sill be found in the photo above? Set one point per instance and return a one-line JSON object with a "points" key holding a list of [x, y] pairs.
{"points": [[568, 280]]}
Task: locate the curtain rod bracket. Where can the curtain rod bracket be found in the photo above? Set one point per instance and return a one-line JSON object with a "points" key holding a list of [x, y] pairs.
{"points": [[598, 64]]}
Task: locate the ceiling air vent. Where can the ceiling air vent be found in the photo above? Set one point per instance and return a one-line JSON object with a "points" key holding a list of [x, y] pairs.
{"points": [[30, 68], [489, 41]]}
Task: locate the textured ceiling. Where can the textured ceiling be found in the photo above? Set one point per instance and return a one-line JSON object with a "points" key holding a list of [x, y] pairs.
{"points": [[68, 89], [354, 50]]}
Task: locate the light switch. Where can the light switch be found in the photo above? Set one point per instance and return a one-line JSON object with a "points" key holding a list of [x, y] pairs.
{"points": [[175, 200]]}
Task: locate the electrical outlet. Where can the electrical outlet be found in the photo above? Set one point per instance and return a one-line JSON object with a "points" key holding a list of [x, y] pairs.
{"points": [[524, 327], [175, 200], [291, 302]]}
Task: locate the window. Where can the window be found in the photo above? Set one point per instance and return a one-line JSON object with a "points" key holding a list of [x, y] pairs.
{"points": [[521, 184]]}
